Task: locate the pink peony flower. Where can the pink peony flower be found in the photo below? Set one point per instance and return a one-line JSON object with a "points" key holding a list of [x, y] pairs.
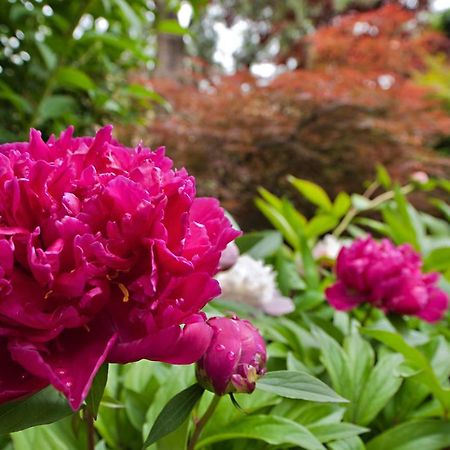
{"points": [[235, 359], [388, 277], [105, 256]]}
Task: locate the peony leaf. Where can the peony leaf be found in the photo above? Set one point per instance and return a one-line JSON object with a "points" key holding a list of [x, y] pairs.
{"points": [[174, 413], [299, 385], [416, 434], [312, 192], [96, 392], [46, 406], [271, 429]]}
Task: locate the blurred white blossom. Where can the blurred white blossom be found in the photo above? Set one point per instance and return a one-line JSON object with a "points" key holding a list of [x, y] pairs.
{"points": [[251, 282], [327, 248], [420, 177]]}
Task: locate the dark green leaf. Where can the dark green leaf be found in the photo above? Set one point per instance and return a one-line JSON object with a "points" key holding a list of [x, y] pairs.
{"points": [[96, 392], [174, 413], [298, 385], [46, 406], [71, 77]]}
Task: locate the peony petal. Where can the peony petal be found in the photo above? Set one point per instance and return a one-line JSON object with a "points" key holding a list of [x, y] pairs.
{"points": [[15, 381], [279, 306], [69, 362], [171, 345]]}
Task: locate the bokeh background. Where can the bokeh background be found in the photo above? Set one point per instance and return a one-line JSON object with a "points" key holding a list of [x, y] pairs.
{"points": [[242, 93]]}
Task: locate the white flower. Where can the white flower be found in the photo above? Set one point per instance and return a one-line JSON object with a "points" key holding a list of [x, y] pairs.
{"points": [[327, 248], [251, 282]]}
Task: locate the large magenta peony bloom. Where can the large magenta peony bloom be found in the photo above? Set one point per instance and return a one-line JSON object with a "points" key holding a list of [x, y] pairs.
{"points": [[235, 359], [388, 277], [105, 256]]}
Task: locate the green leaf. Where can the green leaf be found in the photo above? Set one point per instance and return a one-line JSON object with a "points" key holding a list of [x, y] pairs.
{"points": [[171, 26], [174, 413], [438, 259], [139, 91], [55, 106], [312, 192], [320, 224], [354, 443], [299, 385], [336, 362], [342, 204], [287, 275], [279, 222], [261, 244], [383, 176], [96, 392], [129, 15], [61, 435], [416, 360], [46, 406], [414, 435], [327, 432], [71, 77], [270, 198], [271, 429], [49, 57], [382, 384]]}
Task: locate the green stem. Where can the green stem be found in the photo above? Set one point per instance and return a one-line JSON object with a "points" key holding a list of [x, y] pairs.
{"points": [[377, 201], [90, 429], [202, 422]]}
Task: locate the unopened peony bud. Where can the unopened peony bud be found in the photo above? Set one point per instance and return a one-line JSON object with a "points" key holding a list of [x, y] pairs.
{"points": [[235, 359]]}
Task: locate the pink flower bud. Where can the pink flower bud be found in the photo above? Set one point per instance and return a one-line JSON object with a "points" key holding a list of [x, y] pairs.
{"points": [[235, 359]]}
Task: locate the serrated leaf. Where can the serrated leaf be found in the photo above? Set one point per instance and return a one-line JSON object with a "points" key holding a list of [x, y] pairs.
{"points": [[299, 385], [174, 413]]}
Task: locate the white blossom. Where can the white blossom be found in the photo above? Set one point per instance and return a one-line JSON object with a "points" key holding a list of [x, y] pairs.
{"points": [[252, 282]]}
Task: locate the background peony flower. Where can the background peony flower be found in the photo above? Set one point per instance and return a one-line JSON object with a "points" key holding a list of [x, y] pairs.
{"points": [[235, 359], [105, 256], [253, 283], [388, 277]]}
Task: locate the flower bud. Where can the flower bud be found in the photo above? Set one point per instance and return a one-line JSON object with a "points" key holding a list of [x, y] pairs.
{"points": [[235, 358]]}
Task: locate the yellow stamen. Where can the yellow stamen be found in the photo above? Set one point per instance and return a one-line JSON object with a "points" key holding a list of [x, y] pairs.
{"points": [[125, 292], [47, 295]]}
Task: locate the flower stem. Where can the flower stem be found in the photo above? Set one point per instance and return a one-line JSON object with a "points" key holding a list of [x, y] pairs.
{"points": [[90, 429], [202, 422], [377, 201]]}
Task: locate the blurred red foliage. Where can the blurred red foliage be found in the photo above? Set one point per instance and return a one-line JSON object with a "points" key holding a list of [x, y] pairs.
{"points": [[356, 104]]}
